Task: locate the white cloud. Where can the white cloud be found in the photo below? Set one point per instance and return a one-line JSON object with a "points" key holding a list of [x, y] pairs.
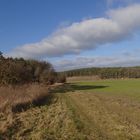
{"points": [[124, 59], [87, 34], [111, 2]]}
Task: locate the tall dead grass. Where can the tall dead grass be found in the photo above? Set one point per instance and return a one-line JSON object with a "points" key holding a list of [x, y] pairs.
{"points": [[83, 78], [19, 98]]}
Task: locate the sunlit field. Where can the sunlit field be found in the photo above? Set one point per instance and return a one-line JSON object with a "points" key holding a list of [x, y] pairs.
{"points": [[70, 70], [85, 110], [126, 87]]}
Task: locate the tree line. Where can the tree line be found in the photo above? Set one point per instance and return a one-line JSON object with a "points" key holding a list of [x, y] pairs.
{"points": [[21, 71], [106, 73]]}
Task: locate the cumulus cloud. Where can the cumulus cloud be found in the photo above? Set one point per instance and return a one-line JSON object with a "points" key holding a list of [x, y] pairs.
{"points": [[88, 34]]}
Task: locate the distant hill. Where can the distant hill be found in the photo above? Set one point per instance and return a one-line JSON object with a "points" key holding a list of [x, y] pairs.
{"points": [[106, 73]]}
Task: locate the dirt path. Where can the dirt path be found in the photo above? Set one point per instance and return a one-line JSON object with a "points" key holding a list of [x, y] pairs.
{"points": [[76, 116]]}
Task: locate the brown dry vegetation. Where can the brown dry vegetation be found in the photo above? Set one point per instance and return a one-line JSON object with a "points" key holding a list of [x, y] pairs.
{"points": [[107, 118], [18, 98], [78, 112], [83, 78]]}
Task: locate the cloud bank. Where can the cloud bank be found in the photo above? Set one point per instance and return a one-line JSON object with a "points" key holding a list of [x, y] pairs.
{"points": [[123, 60], [118, 25]]}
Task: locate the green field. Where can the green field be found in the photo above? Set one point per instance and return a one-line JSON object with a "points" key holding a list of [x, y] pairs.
{"points": [[85, 110], [127, 87]]}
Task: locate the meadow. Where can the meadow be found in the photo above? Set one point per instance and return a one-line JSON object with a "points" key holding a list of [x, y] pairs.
{"points": [[80, 110], [121, 87]]}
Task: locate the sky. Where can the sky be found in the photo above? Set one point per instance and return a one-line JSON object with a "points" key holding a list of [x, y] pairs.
{"points": [[72, 33]]}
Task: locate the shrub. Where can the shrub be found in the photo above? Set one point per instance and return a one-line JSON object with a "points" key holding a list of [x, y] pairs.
{"points": [[61, 78]]}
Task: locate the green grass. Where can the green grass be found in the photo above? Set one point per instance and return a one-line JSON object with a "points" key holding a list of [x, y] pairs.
{"points": [[127, 87], [85, 110]]}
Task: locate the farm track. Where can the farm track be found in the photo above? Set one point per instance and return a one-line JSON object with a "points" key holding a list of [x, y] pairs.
{"points": [[76, 116]]}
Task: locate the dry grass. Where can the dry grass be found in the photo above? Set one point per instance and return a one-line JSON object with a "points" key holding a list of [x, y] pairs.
{"points": [[78, 111], [22, 97], [17, 100], [107, 117], [83, 78]]}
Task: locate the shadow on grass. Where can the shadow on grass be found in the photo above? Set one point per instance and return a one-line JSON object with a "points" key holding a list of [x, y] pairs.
{"points": [[43, 100], [49, 98], [72, 87], [21, 107]]}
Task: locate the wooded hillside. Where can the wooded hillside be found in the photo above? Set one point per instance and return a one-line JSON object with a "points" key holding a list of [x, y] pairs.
{"points": [[106, 73], [20, 71]]}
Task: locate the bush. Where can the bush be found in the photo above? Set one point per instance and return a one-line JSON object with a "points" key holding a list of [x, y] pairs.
{"points": [[61, 78]]}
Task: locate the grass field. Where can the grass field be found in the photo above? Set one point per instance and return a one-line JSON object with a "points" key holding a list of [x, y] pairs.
{"points": [[85, 110], [127, 87]]}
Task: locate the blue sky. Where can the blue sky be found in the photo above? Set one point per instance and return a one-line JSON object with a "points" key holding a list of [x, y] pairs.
{"points": [[37, 28], [27, 21]]}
